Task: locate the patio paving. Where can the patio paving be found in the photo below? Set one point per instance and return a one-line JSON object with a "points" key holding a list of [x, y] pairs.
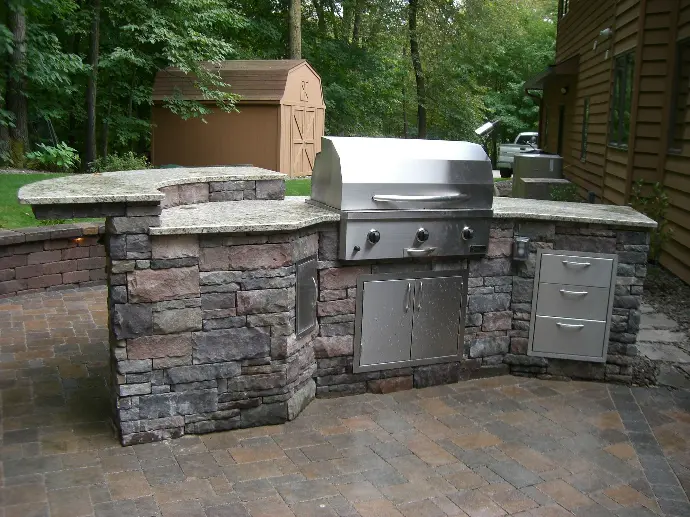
{"points": [[484, 448]]}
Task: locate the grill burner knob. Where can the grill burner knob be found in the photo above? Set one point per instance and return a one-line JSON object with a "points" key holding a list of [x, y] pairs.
{"points": [[374, 236], [467, 233], [422, 235]]}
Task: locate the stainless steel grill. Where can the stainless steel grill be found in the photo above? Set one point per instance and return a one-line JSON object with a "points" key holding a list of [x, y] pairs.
{"points": [[405, 198]]}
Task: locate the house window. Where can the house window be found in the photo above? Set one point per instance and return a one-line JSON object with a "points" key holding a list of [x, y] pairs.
{"points": [[681, 91], [563, 8], [585, 129], [619, 127]]}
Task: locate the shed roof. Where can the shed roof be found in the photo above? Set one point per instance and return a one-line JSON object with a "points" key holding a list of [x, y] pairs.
{"points": [[253, 80]]}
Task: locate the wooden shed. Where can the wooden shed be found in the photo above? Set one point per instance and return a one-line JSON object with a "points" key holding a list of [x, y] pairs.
{"points": [[279, 124]]}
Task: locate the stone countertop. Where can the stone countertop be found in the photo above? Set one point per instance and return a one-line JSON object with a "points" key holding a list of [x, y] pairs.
{"points": [[294, 213], [289, 214], [560, 211], [131, 186]]}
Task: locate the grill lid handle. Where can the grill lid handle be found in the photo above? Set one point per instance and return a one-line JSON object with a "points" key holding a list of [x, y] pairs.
{"points": [[440, 197]]}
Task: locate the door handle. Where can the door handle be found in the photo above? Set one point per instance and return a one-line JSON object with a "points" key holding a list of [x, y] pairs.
{"points": [[431, 198], [420, 252], [569, 326], [576, 265], [316, 292], [421, 290], [567, 294], [407, 296]]}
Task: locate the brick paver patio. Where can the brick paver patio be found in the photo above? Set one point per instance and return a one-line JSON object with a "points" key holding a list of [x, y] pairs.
{"points": [[485, 448]]}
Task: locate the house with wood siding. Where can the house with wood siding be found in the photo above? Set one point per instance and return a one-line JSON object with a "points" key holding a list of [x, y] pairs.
{"points": [[615, 105]]}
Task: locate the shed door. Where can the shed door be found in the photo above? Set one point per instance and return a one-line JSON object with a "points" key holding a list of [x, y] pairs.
{"points": [[303, 140]]}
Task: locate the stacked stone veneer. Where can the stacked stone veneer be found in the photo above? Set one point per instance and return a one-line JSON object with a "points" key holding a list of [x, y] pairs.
{"points": [[498, 311], [50, 257], [202, 327]]}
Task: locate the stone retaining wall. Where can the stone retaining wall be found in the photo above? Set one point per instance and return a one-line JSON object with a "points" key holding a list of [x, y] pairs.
{"points": [[51, 257]]}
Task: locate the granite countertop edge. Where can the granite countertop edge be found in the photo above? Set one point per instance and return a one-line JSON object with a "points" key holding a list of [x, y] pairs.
{"points": [[280, 220], [64, 190]]}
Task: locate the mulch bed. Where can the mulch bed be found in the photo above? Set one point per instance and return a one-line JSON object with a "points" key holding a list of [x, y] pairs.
{"points": [[668, 294]]}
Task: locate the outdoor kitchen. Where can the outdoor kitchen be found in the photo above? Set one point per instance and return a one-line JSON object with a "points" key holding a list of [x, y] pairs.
{"points": [[233, 306]]}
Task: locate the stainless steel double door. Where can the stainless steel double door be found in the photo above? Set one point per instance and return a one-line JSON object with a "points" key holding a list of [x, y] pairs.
{"points": [[413, 320]]}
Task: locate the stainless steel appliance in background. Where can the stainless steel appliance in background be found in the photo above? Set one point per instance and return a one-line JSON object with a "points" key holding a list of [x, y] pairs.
{"points": [[403, 199]]}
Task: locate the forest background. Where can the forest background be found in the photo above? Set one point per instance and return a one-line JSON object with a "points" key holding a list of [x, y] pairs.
{"points": [[81, 71]]}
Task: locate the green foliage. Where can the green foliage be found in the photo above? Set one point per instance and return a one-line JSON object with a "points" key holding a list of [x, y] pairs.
{"points": [[655, 205], [58, 158], [566, 193], [476, 55], [120, 162]]}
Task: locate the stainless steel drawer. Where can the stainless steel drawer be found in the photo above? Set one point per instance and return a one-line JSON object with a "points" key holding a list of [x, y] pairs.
{"points": [[569, 338], [575, 270], [572, 301]]}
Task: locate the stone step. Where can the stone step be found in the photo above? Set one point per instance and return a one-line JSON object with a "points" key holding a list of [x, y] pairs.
{"points": [[657, 320], [660, 336], [663, 352]]}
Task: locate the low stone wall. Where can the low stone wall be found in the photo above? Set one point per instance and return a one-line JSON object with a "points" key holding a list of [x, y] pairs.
{"points": [[51, 257]]}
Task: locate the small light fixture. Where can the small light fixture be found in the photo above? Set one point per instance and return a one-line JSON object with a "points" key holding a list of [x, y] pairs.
{"points": [[606, 33], [564, 90], [521, 248]]}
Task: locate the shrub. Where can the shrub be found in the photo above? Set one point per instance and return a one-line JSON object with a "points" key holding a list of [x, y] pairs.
{"points": [[655, 207], [59, 158], [120, 162]]}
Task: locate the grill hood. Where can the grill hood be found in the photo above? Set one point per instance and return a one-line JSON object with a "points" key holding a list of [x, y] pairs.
{"points": [[392, 174]]}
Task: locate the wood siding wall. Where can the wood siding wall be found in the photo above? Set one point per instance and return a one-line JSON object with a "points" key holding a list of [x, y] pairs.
{"points": [[650, 29], [676, 166]]}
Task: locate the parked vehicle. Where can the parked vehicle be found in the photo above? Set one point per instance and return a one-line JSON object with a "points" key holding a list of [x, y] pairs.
{"points": [[524, 142]]}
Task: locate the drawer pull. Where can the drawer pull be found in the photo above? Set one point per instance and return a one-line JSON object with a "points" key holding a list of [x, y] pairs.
{"points": [[569, 326], [576, 265], [573, 293]]}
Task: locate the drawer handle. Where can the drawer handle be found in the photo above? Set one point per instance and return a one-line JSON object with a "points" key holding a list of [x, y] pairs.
{"points": [[420, 252], [576, 265], [569, 326], [573, 293]]}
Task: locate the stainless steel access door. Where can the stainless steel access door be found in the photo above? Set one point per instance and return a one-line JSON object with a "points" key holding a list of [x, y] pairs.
{"points": [[305, 307], [386, 322], [437, 312]]}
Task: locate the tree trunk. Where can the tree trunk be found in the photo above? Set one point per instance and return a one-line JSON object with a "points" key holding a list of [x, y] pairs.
{"points": [[417, 66], [321, 17], [357, 23], [16, 87], [72, 120], [295, 29], [90, 155]]}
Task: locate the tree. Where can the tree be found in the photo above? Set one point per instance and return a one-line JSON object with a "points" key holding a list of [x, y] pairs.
{"points": [[94, 43], [295, 29], [417, 66], [16, 85]]}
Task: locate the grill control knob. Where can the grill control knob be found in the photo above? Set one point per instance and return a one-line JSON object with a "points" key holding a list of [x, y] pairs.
{"points": [[467, 233], [374, 236], [422, 235]]}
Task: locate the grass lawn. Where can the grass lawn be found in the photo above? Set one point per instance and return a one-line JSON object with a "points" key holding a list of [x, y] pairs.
{"points": [[12, 214], [298, 187]]}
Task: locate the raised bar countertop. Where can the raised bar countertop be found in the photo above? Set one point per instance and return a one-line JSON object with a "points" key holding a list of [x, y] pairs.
{"points": [[294, 213], [289, 214], [132, 186]]}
